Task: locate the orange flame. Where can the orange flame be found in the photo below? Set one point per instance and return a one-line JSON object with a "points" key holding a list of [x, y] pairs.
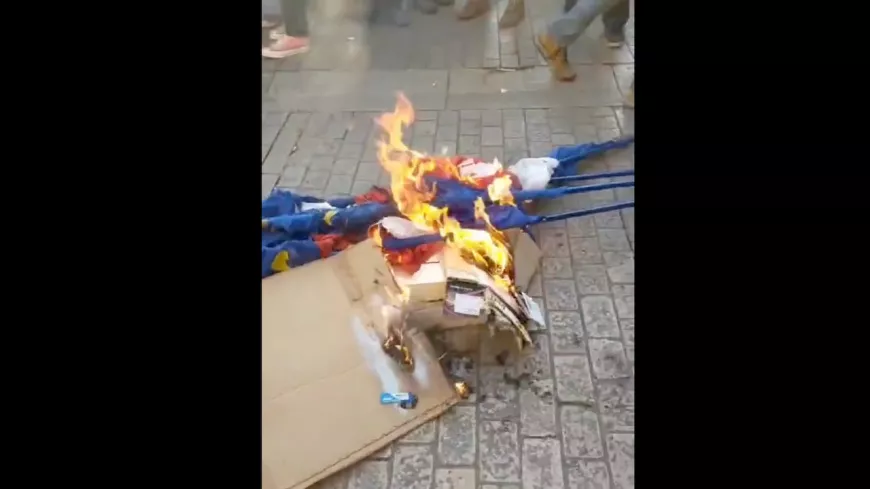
{"points": [[486, 248]]}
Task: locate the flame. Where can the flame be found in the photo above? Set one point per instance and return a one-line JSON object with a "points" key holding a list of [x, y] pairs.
{"points": [[486, 248]]}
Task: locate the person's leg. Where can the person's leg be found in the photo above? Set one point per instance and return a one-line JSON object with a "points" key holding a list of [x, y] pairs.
{"points": [[295, 14], [564, 30], [426, 6], [294, 40], [614, 20]]}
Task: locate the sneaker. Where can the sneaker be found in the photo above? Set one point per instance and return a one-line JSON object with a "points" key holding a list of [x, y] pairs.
{"points": [[277, 33], [556, 57], [614, 38], [286, 46]]}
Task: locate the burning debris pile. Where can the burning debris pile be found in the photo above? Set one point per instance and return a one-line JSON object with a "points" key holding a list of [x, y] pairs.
{"points": [[443, 254]]}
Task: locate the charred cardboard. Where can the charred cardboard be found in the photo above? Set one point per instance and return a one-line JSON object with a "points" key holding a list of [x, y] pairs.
{"points": [[323, 369], [428, 289]]}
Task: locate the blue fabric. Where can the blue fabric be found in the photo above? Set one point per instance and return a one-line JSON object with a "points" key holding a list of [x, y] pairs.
{"points": [[570, 156], [287, 229]]}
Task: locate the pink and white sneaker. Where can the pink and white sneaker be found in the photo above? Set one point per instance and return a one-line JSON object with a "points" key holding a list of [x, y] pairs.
{"points": [[286, 46]]}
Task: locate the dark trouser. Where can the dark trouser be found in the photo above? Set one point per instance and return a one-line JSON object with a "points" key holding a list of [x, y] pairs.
{"points": [[580, 13], [295, 14]]}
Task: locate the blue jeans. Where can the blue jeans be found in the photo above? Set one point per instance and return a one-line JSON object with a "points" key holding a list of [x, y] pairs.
{"points": [[578, 14]]}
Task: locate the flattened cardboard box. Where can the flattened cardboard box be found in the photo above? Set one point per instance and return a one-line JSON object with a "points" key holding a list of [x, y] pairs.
{"points": [[324, 369]]}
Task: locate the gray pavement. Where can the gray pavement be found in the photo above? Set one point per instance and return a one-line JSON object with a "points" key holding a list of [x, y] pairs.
{"points": [[480, 92]]}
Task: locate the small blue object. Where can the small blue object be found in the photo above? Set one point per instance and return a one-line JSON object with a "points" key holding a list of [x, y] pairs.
{"points": [[405, 400]]}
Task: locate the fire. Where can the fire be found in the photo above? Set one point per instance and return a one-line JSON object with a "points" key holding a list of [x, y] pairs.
{"points": [[486, 248]]}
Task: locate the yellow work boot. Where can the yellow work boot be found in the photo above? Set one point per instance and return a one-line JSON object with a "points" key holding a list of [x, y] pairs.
{"points": [[556, 56]]}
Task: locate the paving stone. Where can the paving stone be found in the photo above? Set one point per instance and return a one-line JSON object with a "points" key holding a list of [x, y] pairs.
{"points": [[514, 128], [426, 115], [445, 147], [599, 316], [542, 464], [469, 145], [424, 433], [566, 332], [616, 404], [315, 179], [585, 251], [368, 475], [563, 126], [591, 279], [425, 128], [339, 184], [423, 144], [556, 267], [534, 364], [361, 187], [292, 176], [491, 117], [497, 394], [469, 127], [269, 182], [620, 266], [515, 144], [620, 448], [538, 408], [563, 139], [554, 243], [581, 227], [491, 136], [623, 297], [613, 240], [538, 133], [608, 359], [627, 327], [446, 133], [608, 220], [456, 442], [587, 474], [536, 116], [455, 478], [560, 294], [448, 118], [538, 148], [491, 153], [345, 167], [573, 379], [413, 467], [499, 451], [580, 432]]}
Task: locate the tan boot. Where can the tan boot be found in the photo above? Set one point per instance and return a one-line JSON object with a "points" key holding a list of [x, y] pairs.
{"points": [[629, 97], [556, 56], [469, 9], [513, 14]]}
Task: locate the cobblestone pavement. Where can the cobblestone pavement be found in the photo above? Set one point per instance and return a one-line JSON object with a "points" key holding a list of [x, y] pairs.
{"points": [[569, 422]]}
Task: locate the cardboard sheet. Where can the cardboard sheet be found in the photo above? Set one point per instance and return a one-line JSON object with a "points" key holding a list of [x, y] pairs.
{"points": [[324, 369]]}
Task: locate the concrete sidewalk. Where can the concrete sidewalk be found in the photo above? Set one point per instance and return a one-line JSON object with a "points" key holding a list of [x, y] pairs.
{"points": [[481, 92]]}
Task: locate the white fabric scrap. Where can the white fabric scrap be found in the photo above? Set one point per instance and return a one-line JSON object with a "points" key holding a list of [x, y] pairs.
{"points": [[483, 169], [308, 206], [402, 228], [534, 173]]}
